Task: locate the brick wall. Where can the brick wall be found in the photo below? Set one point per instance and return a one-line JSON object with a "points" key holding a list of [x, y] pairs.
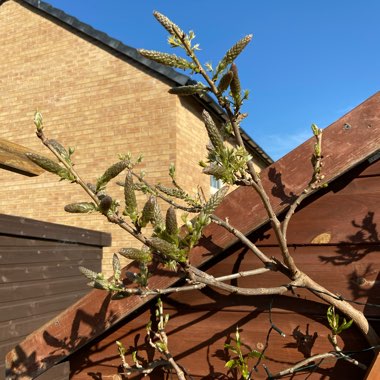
{"points": [[98, 102]]}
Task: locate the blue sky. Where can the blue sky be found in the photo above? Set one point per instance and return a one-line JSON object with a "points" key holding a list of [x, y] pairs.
{"points": [[309, 61]]}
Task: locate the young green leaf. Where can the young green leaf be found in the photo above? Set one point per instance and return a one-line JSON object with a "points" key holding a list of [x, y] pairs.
{"points": [[231, 364]]}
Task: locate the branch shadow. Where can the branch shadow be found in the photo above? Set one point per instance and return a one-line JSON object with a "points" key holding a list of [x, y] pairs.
{"points": [[360, 244], [23, 364], [279, 190]]}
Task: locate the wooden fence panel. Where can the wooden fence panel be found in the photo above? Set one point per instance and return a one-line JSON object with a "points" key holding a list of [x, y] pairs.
{"points": [[39, 275]]}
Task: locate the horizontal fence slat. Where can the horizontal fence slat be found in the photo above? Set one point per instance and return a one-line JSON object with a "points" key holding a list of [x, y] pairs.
{"points": [[30, 228]]}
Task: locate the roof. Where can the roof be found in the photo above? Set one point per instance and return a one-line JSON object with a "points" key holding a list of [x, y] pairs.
{"points": [[12, 157], [351, 140], [179, 79]]}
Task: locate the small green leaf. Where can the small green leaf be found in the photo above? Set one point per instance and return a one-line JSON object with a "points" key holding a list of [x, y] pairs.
{"points": [[231, 364], [315, 129], [245, 372], [255, 354], [161, 346], [231, 348], [134, 357]]}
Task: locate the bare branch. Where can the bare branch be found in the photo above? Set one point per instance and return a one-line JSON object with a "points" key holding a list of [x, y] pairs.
{"points": [[314, 183], [259, 254], [213, 282]]}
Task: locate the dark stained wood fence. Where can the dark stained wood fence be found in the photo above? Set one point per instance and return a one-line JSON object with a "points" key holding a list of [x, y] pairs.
{"points": [[337, 240], [333, 237], [39, 274]]}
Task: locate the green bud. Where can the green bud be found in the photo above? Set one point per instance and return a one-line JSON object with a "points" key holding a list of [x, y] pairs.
{"points": [[111, 173], [187, 90], [214, 201], [213, 132], [50, 166], [81, 207], [172, 28], [129, 195], [235, 86], [225, 81], [116, 266], [171, 221], [148, 212], [38, 121], [233, 53], [173, 192], [140, 255], [91, 275], [316, 130], [58, 148], [105, 204], [167, 250], [317, 150], [158, 220], [167, 59]]}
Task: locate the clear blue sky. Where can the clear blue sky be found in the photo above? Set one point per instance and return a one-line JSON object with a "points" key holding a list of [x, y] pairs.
{"points": [[309, 61]]}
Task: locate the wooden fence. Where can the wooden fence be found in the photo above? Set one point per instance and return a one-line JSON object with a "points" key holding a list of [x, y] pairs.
{"points": [[39, 273]]}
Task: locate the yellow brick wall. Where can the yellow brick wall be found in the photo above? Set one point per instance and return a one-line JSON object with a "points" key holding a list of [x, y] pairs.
{"points": [[90, 99], [97, 102], [191, 146]]}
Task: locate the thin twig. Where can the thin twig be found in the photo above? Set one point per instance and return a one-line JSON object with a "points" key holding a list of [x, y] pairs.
{"points": [[259, 254], [334, 342], [313, 185], [209, 280]]}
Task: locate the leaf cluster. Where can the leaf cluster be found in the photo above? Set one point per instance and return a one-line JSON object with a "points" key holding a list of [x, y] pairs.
{"points": [[240, 361], [334, 321]]}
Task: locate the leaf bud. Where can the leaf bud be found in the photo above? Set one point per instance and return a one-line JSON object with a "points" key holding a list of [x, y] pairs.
{"points": [[140, 255], [171, 221], [113, 171], [129, 195], [105, 204], [187, 90], [232, 53], [38, 121], [50, 166], [167, 250], [213, 132], [148, 212], [235, 86], [167, 59], [81, 207], [169, 25], [225, 81], [215, 200], [58, 148]]}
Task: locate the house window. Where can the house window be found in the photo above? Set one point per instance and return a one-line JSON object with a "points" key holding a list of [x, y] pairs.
{"points": [[215, 184]]}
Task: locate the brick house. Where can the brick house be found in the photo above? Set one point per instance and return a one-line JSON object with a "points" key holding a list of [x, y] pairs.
{"points": [[97, 95]]}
